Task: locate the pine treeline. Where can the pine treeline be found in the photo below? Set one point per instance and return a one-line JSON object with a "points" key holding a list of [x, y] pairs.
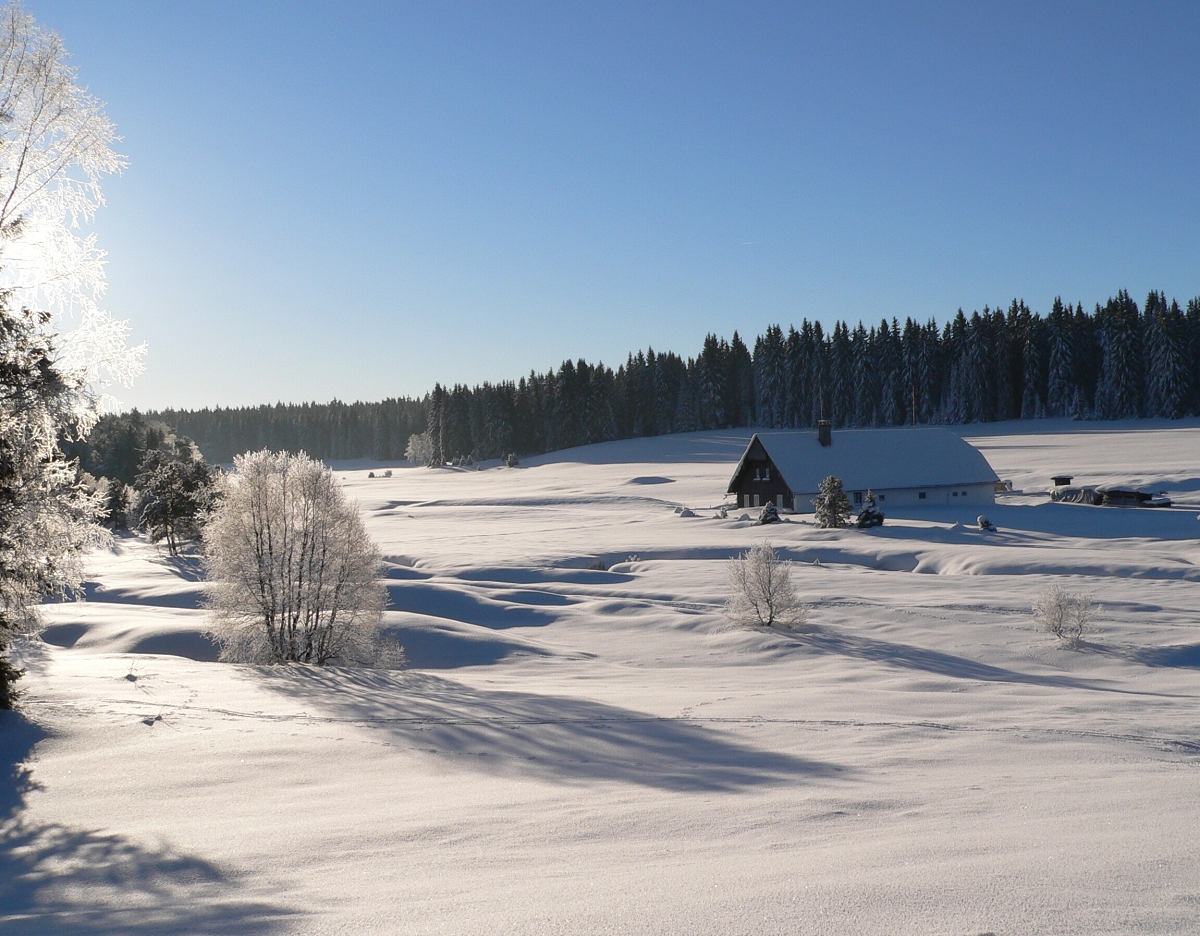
{"points": [[1117, 362]]}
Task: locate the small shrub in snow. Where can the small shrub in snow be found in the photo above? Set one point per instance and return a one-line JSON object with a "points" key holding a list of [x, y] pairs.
{"points": [[870, 515], [986, 524], [387, 473], [831, 503], [1065, 615], [768, 514], [762, 593]]}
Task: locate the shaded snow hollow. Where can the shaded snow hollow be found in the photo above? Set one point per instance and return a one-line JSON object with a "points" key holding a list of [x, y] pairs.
{"points": [[583, 745]]}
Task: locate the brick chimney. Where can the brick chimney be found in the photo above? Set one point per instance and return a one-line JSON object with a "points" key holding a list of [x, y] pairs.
{"points": [[824, 432]]}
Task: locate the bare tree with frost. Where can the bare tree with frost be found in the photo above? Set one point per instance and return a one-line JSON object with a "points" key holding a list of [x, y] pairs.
{"points": [[1065, 615], [762, 594], [55, 146], [293, 575]]}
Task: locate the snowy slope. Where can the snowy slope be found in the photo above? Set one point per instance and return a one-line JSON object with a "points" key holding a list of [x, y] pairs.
{"points": [[587, 750]]}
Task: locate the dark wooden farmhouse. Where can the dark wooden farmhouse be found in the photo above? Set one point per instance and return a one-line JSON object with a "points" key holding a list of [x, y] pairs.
{"points": [[904, 467]]}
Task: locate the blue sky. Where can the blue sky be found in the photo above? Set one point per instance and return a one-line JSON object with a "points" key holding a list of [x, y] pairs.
{"points": [[357, 200]]}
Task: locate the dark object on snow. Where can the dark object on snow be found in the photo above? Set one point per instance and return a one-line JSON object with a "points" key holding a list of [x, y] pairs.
{"points": [[768, 514], [869, 516], [1061, 480], [1125, 497], [1105, 496], [986, 524], [370, 474], [512, 460], [1075, 495]]}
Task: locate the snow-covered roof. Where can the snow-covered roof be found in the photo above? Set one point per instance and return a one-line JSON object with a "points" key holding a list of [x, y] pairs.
{"points": [[883, 459]]}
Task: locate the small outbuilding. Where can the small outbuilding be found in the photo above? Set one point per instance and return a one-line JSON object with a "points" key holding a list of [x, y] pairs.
{"points": [[904, 467]]}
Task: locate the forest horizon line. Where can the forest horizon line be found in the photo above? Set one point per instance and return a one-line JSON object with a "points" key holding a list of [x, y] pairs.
{"points": [[1119, 361]]}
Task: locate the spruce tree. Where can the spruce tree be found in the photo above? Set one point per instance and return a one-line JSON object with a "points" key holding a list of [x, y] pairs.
{"points": [[1119, 393]]}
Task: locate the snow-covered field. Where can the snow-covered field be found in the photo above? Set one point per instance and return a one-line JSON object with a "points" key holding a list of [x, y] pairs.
{"points": [[579, 750]]}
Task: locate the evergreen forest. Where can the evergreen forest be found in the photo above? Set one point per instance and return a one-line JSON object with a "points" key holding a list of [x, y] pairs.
{"points": [[1117, 362]]}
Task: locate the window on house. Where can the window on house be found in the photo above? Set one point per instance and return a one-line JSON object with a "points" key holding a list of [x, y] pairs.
{"points": [[883, 497], [964, 493], [757, 475], [858, 497], [921, 495], [767, 473], [954, 493]]}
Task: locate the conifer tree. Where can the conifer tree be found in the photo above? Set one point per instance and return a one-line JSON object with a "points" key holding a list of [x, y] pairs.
{"points": [[1119, 394]]}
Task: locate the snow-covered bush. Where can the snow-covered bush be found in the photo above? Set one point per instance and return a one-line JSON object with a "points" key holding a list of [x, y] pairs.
{"points": [[294, 577], [761, 587], [870, 515], [419, 450], [1065, 615], [831, 503]]}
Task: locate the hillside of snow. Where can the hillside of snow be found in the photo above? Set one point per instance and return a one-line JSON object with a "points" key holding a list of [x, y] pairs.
{"points": [[583, 744]]}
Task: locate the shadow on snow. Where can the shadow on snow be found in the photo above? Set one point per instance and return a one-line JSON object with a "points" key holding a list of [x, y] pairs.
{"points": [[435, 601], [555, 738], [435, 648], [55, 879], [941, 664]]}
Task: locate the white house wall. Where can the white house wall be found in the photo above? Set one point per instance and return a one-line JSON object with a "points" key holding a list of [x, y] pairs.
{"points": [[959, 495]]}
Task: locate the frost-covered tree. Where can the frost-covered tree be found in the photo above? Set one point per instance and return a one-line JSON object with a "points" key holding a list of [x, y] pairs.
{"points": [[419, 450], [832, 506], [175, 490], [47, 519], [1065, 615], [294, 575], [55, 146], [761, 590]]}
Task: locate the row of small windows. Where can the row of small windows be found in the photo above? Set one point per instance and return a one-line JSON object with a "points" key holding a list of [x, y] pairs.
{"points": [[766, 474], [752, 500]]}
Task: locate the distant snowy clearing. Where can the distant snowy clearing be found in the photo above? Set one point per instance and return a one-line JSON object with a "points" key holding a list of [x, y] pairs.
{"points": [[584, 744]]}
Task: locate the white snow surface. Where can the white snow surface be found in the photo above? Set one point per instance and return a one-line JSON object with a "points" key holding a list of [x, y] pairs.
{"points": [[581, 750]]}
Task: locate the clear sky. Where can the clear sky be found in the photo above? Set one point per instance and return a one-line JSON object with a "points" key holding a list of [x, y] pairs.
{"points": [[355, 200]]}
